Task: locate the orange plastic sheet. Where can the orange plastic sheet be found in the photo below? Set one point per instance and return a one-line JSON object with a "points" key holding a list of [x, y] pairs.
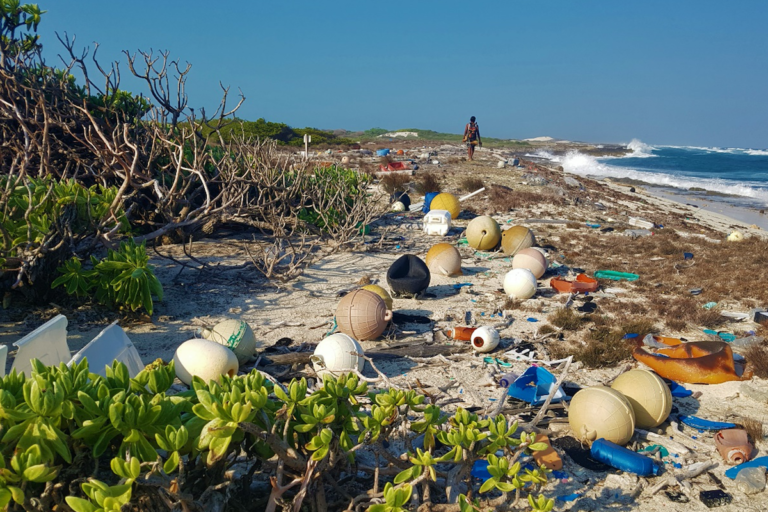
{"points": [[582, 284], [697, 362]]}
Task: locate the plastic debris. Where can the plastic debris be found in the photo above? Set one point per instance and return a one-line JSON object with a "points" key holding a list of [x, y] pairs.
{"points": [[751, 480], [534, 386], [614, 275], [754, 463], [47, 343], [622, 458], [716, 498], [702, 424]]}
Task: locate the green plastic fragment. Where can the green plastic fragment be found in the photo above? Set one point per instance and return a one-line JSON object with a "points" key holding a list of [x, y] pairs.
{"points": [[614, 275], [664, 452]]}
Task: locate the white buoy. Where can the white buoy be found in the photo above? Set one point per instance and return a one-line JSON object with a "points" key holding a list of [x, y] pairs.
{"points": [[205, 359], [236, 335], [485, 339], [335, 355], [520, 283]]}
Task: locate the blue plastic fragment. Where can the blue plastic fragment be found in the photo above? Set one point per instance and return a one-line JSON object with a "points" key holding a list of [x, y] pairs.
{"points": [[534, 386], [531, 319], [688, 255], [702, 424], [560, 475], [459, 285], [677, 465], [679, 391], [569, 497], [760, 461], [630, 335]]}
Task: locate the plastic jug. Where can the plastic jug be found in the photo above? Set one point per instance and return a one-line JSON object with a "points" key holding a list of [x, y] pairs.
{"points": [[751, 480]]}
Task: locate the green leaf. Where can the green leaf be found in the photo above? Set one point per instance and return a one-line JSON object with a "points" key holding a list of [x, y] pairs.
{"points": [[404, 476], [488, 485], [172, 463], [536, 447]]}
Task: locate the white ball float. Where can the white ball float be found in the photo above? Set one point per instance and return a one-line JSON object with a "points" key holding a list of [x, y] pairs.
{"points": [[205, 359]]}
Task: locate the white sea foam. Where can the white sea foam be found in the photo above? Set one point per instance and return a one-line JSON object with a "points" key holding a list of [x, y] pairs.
{"points": [[586, 165], [731, 151], [640, 149]]}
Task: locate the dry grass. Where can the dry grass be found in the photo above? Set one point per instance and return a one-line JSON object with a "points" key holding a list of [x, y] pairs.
{"points": [[504, 199], [470, 184], [395, 183], [511, 304], [566, 319], [606, 346], [753, 427], [428, 182], [546, 329], [757, 357]]}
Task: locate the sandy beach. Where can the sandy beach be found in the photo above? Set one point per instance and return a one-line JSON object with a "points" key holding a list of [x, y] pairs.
{"points": [[292, 317]]}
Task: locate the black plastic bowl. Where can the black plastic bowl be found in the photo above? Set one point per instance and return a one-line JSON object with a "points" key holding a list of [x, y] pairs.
{"points": [[408, 275], [403, 198]]}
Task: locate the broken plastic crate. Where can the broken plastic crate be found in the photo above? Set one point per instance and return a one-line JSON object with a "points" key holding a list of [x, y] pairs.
{"points": [[47, 343], [110, 345]]}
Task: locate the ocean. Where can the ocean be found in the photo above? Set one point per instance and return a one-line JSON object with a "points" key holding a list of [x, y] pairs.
{"points": [[733, 177]]}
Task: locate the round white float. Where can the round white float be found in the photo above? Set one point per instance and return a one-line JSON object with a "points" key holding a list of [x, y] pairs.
{"points": [[236, 335], [334, 355], [520, 283], [485, 339], [205, 359]]}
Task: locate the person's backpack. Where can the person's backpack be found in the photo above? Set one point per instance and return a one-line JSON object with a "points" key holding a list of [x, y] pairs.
{"points": [[472, 131]]}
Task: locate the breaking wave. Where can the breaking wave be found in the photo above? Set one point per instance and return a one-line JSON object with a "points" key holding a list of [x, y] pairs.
{"points": [[585, 165], [640, 149], [729, 151]]}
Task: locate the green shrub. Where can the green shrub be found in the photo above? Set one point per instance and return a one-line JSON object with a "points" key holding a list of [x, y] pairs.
{"points": [[150, 437], [123, 279]]}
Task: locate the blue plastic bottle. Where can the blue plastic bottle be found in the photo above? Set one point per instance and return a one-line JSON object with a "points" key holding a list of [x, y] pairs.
{"points": [[622, 458]]}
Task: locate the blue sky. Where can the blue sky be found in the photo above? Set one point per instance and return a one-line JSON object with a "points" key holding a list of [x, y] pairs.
{"points": [[665, 72]]}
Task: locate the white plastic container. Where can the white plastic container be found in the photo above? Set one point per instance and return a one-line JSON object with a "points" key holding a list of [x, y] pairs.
{"points": [[437, 222], [334, 355], [47, 343], [111, 344], [641, 223]]}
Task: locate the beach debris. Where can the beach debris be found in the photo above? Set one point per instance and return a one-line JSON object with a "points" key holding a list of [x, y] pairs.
{"points": [[710, 305], [716, 498], [622, 458], [111, 344], [205, 359], [437, 222], [471, 194], [547, 457], [599, 412], [580, 455], [751, 480], [236, 335], [702, 424], [398, 207], [534, 386], [448, 202], [3, 359], [582, 284], [678, 391], [444, 259], [401, 197], [336, 354], [572, 182], [735, 236], [687, 255], [615, 275], [725, 336], [733, 472], [47, 344], [408, 276], [427, 204], [507, 379], [515, 238], [649, 396], [637, 233], [461, 333], [641, 223], [733, 444], [381, 292], [698, 362], [483, 233], [531, 259], [520, 283], [362, 314], [485, 339]]}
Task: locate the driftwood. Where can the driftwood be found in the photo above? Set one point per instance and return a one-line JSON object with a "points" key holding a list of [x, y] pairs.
{"points": [[386, 353]]}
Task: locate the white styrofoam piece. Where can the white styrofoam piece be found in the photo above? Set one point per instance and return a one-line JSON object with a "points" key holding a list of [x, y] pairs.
{"points": [[3, 359], [48, 343], [437, 222], [111, 344]]}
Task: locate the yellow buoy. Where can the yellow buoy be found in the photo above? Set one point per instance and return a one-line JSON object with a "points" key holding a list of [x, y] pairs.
{"points": [[648, 394], [483, 233], [446, 201], [381, 292], [444, 259]]}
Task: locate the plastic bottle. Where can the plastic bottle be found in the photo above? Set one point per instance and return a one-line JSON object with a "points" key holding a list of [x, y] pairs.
{"points": [[740, 344], [507, 379], [622, 458], [461, 333], [751, 480]]}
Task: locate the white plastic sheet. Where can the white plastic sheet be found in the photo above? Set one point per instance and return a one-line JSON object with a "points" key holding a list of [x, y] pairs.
{"points": [[48, 343], [110, 345]]}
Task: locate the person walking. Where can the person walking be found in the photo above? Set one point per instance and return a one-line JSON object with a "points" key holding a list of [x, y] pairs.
{"points": [[472, 137]]}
